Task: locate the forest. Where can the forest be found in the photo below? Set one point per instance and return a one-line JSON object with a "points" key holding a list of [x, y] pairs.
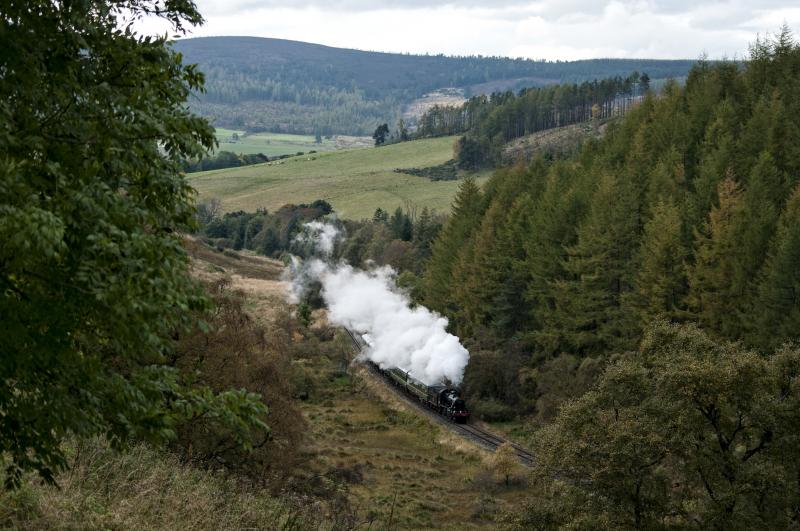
{"points": [[401, 239], [647, 286], [295, 87], [686, 209], [676, 236], [488, 123]]}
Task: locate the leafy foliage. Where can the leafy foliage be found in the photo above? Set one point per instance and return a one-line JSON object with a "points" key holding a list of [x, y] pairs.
{"points": [[93, 133], [237, 352], [402, 240], [685, 432], [268, 234]]}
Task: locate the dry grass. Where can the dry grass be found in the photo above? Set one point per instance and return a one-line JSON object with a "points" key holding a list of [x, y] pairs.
{"points": [[243, 263], [146, 489], [260, 278], [556, 141], [412, 471], [452, 97]]}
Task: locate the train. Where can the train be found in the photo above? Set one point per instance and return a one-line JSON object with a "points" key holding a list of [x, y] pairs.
{"points": [[441, 398]]}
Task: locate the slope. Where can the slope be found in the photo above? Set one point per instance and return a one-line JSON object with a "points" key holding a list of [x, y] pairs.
{"points": [[355, 182]]}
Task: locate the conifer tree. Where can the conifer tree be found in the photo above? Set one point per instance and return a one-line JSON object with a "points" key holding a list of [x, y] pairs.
{"points": [[473, 283], [551, 228], [711, 297], [667, 179], [465, 217], [510, 308], [490, 278], [660, 281], [590, 315], [716, 155], [401, 226], [755, 133], [425, 231], [761, 206], [484, 271], [775, 316]]}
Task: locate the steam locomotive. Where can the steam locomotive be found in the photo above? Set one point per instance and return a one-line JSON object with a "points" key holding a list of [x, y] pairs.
{"points": [[444, 400]]}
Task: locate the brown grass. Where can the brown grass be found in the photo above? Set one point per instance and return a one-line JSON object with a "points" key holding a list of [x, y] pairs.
{"points": [[258, 277], [147, 489], [411, 470]]}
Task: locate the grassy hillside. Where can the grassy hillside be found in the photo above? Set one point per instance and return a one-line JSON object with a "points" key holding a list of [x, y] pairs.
{"points": [[355, 182], [270, 144]]}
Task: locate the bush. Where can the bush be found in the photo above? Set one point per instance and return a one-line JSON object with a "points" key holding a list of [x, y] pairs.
{"points": [[239, 353], [491, 410], [563, 378], [689, 430], [447, 171]]}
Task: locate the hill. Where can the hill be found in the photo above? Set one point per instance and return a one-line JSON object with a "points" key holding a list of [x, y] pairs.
{"points": [[355, 182], [296, 87]]}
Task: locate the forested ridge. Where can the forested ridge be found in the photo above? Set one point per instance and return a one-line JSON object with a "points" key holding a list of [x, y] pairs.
{"points": [[298, 87], [640, 300], [488, 123], [687, 209]]}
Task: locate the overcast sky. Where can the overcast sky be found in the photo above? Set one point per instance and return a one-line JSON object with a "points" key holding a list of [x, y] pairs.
{"points": [[543, 29]]}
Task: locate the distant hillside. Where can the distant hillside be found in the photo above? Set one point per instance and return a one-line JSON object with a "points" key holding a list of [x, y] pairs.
{"points": [[355, 182], [288, 86]]}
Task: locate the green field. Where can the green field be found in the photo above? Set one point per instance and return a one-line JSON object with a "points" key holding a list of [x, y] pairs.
{"points": [[355, 182], [270, 144]]}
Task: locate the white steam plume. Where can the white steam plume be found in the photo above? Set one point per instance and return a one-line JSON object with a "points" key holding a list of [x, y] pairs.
{"points": [[369, 302], [322, 235]]}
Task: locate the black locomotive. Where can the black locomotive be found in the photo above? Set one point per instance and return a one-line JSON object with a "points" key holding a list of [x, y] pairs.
{"points": [[444, 400]]}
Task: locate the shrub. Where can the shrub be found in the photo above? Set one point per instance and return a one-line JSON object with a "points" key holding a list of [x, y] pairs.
{"points": [[491, 410], [239, 353]]}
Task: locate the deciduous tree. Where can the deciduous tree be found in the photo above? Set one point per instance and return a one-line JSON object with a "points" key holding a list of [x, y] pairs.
{"points": [[688, 431], [94, 131]]}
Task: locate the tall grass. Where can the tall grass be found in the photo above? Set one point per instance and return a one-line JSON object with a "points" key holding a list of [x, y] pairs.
{"points": [[143, 488]]}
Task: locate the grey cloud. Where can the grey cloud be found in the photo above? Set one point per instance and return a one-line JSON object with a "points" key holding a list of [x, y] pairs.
{"points": [[554, 7], [534, 28]]}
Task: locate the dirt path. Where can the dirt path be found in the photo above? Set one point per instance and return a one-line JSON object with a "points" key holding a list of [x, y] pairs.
{"points": [[259, 277]]}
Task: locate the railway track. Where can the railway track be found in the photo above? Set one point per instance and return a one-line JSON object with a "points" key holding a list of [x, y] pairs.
{"points": [[481, 437]]}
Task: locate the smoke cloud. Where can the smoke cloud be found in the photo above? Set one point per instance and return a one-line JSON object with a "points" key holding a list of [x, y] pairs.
{"points": [[369, 302], [320, 236]]}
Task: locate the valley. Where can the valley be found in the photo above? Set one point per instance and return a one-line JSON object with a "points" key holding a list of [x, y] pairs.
{"points": [[253, 282]]}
